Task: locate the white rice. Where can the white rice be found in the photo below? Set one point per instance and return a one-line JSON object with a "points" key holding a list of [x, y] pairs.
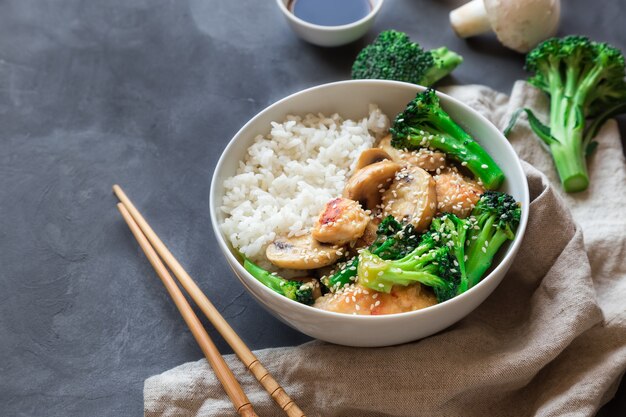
{"points": [[288, 176]]}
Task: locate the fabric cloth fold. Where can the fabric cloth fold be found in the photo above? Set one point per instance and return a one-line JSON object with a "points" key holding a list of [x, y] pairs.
{"points": [[550, 340]]}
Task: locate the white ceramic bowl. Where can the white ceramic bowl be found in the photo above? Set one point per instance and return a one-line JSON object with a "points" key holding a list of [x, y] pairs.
{"points": [[350, 99], [330, 35]]}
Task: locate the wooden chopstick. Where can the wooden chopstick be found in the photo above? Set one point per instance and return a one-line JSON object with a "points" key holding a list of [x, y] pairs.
{"points": [[222, 371], [234, 341]]}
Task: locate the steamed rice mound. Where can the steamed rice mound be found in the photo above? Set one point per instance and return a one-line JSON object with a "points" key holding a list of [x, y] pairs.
{"points": [[288, 175]]}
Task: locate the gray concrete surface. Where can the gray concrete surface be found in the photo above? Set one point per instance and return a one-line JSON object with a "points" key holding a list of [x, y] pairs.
{"points": [[146, 93]]}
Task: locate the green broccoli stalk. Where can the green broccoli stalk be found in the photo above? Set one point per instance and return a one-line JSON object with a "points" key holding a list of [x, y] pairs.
{"points": [[426, 264], [294, 290], [392, 56], [444, 62], [393, 241], [424, 124], [585, 80], [492, 222]]}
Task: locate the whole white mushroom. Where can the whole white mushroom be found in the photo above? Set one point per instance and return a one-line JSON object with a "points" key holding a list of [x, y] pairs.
{"points": [[518, 24]]}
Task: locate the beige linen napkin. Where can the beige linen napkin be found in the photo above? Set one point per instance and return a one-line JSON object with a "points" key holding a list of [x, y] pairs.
{"points": [[551, 340]]}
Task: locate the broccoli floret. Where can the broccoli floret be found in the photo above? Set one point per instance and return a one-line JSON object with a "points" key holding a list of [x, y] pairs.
{"points": [[424, 124], [343, 275], [451, 231], [294, 290], [453, 255], [585, 81], [393, 241], [392, 56], [492, 222], [427, 264]]}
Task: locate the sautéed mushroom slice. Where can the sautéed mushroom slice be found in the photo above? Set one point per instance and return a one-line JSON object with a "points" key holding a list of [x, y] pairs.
{"points": [[302, 252], [371, 156], [412, 197], [365, 184], [424, 158]]}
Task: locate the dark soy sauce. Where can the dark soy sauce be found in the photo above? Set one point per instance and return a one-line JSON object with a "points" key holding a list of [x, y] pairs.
{"points": [[330, 12]]}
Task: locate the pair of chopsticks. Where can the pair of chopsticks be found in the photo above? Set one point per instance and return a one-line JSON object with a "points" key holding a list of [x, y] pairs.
{"points": [[157, 253]]}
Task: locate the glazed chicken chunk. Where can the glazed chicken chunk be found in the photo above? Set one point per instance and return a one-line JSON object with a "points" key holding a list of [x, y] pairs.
{"points": [[356, 299], [342, 220], [456, 193]]}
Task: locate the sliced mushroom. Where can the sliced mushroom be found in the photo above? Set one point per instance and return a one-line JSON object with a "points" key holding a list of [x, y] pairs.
{"points": [[302, 252], [456, 193], [313, 283], [341, 221], [371, 156], [412, 197], [366, 184], [424, 158]]}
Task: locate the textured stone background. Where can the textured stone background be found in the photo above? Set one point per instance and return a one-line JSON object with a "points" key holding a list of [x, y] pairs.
{"points": [[147, 93]]}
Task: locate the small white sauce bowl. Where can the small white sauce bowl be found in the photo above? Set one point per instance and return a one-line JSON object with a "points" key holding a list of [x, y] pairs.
{"points": [[351, 99], [330, 35]]}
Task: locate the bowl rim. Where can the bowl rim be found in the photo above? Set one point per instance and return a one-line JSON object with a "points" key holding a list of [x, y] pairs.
{"points": [[306, 309], [292, 17]]}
